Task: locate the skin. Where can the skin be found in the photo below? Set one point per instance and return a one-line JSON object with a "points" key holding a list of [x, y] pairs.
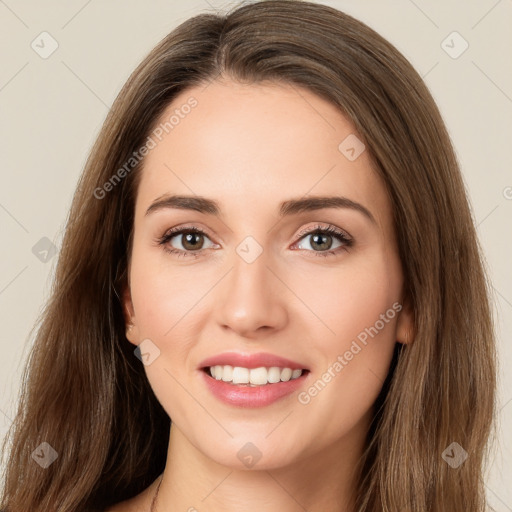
{"points": [[250, 147]]}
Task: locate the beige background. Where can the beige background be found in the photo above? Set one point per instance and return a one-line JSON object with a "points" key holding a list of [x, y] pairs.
{"points": [[52, 109]]}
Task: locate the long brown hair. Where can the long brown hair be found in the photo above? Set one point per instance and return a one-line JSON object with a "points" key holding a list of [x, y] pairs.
{"points": [[86, 394]]}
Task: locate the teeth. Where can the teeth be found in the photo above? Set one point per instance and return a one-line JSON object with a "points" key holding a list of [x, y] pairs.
{"points": [[286, 374], [254, 376], [274, 374], [240, 375]]}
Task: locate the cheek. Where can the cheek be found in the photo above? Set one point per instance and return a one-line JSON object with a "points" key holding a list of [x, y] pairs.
{"points": [[359, 303], [162, 293], [163, 300], [351, 298]]}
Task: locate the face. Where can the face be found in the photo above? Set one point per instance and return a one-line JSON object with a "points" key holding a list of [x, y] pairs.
{"points": [[318, 284]]}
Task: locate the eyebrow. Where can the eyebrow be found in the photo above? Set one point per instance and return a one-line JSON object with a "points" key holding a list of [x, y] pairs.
{"points": [[290, 207]]}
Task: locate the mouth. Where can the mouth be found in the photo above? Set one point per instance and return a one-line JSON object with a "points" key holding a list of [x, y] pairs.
{"points": [[259, 387], [253, 377], [252, 380]]}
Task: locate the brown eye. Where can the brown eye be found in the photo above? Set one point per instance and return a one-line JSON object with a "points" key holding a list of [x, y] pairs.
{"points": [[192, 241], [321, 240], [185, 241]]}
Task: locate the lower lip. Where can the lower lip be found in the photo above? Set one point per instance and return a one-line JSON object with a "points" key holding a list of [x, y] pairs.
{"points": [[252, 396]]}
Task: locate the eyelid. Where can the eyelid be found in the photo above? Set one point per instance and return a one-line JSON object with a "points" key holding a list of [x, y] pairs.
{"points": [[345, 239], [327, 228], [305, 231], [179, 230]]}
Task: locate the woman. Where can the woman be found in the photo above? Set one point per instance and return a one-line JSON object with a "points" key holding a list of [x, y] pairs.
{"points": [[270, 294]]}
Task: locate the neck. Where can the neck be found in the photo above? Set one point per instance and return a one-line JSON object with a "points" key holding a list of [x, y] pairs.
{"points": [[193, 482]]}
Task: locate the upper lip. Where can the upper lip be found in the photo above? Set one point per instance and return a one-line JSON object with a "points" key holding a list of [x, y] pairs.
{"points": [[251, 361]]}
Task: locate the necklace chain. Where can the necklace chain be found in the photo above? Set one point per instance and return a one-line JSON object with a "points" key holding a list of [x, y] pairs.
{"points": [[153, 503]]}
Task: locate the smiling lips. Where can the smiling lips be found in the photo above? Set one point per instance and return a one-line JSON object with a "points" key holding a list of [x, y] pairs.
{"points": [[262, 359], [254, 376], [252, 380]]}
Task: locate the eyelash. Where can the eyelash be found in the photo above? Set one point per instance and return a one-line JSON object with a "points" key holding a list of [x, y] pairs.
{"points": [[329, 230]]}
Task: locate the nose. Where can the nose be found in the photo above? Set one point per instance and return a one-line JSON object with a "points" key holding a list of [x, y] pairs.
{"points": [[252, 299]]}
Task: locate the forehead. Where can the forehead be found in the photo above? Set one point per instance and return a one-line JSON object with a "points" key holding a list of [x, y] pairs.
{"points": [[253, 146]]}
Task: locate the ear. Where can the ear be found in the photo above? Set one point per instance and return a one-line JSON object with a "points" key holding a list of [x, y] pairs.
{"points": [[132, 331], [405, 324]]}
